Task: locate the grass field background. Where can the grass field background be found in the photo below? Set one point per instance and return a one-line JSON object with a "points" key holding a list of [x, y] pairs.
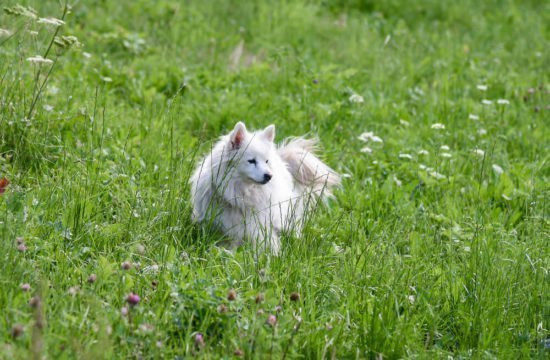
{"points": [[435, 246]]}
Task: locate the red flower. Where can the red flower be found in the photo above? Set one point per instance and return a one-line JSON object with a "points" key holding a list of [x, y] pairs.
{"points": [[3, 185]]}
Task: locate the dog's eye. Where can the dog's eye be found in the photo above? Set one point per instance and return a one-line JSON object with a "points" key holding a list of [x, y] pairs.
{"points": [[266, 161], [252, 161]]}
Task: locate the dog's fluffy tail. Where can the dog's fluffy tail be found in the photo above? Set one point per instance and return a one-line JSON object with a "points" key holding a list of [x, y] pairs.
{"points": [[310, 172]]}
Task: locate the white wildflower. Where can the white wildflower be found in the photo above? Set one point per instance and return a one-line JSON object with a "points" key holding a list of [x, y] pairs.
{"points": [[479, 152], [47, 108], [482, 87], [482, 132], [486, 102], [404, 122], [445, 148], [405, 156], [32, 32], [473, 117], [86, 55], [369, 136], [397, 181], [347, 176], [423, 152], [51, 21], [356, 98], [438, 126], [446, 155], [497, 169], [437, 175], [506, 197], [422, 167], [37, 59], [467, 249], [411, 298], [106, 79], [503, 102], [366, 150]]}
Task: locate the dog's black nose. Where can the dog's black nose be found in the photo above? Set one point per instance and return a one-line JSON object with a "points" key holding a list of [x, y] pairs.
{"points": [[267, 177]]}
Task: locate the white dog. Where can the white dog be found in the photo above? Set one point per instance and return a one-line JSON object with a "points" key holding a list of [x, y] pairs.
{"points": [[252, 189]]}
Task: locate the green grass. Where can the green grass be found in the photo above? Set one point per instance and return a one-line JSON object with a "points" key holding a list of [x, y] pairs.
{"points": [[402, 264]]}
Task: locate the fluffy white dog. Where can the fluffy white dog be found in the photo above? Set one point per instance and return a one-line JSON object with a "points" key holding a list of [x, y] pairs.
{"points": [[252, 189]]}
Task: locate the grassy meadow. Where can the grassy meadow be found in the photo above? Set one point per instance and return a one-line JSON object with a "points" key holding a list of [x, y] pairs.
{"points": [[435, 112]]}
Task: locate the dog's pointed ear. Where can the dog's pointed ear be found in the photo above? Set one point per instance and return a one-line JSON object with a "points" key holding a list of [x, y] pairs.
{"points": [[269, 133], [237, 135]]}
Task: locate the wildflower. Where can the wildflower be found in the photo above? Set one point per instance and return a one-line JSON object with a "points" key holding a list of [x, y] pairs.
{"points": [[25, 287], [151, 269], [51, 21], [482, 87], [404, 122], [126, 265], [355, 98], [271, 320], [159, 344], [438, 126], [437, 175], [260, 298], [92, 278], [503, 102], [73, 290], [479, 152], [446, 155], [482, 132], [106, 79], [397, 181], [278, 308], [33, 33], [231, 295], [497, 169], [87, 55], [222, 309], [369, 136], [47, 108], [506, 197], [199, 340], [140, 249], [445, 148], [366, 150], [467, 249], [405, 156], [422, 167], [133, 299], [146, 328], [37, 59], [3, 185], [295, 296], [473, 117], [411, 298], [423, 152], [124, 311], [486, 102], [22, 247]]}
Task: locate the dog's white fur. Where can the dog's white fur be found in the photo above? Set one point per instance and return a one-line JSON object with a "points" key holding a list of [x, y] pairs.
{"points": [[250, 188]]}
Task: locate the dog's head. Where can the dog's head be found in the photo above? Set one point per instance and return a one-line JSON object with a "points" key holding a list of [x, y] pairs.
{"points": [[253, 152]]}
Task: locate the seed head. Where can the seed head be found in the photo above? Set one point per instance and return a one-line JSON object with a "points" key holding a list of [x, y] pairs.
{"points": [[260, 298], [231, 295], [16, 331], [34, 302], [22, 247], [92, 278], [126, 265], [238, 352], [295, 296], [222, 309]]}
